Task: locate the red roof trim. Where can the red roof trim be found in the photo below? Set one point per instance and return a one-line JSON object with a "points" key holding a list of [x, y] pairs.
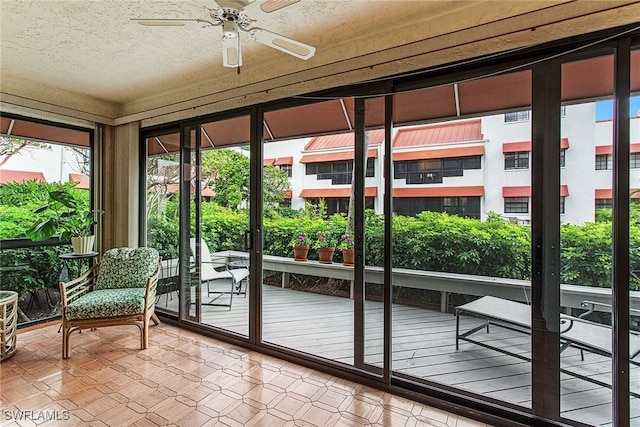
{"points": [[469, 191], [333, 157], [20, 176], [607, 193], [268, 162], [608, 149], [525, 191], [335, 192], [342, 140], [477, 150], [443, 133], [81, 179], [514, 147], [284, 161]]}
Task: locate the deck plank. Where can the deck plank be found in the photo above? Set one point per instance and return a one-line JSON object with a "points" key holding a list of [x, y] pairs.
{"points": [[423, 346]]}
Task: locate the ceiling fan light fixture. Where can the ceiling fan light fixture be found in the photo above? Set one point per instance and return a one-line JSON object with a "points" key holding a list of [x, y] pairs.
{"points": [[230, 29], [233, 16]]}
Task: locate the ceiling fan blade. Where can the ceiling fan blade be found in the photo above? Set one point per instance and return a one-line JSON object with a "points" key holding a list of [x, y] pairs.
{"points": [[231, 54], [191, 23], [282, 43], [209, 4], [269, 6]]}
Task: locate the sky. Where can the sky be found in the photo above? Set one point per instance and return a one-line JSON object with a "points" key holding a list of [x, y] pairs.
{"points": [[604, 109]]}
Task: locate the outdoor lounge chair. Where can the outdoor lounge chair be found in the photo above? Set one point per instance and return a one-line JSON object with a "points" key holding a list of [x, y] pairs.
{"points": [[575, 332], [120, 290], [216, 269]]}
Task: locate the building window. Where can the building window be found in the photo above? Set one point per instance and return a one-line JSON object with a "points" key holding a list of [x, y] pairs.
{"points": [[462, 206], [634, 161], [563, 111], [516, 205], [287, 168], [604, 203], [563, 155], [604, 162], [516, 116], [562, 202], [433, 170], [517, 160], [336, 205], [338, 172]]}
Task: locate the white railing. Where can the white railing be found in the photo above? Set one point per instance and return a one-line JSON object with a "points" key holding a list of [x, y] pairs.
{"points": [[446, 283]]}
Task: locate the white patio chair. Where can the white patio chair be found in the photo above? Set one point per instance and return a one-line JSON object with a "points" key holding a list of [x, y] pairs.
{"points": [[214, 269]]}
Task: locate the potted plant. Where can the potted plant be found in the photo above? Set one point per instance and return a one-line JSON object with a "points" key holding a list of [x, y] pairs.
{"points": [[300, 244], [347, 246], [65, 220], [325, 243]]}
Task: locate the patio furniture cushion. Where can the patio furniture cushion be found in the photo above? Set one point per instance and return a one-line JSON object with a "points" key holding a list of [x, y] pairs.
{"points": [[103, 303], [127, 268]]}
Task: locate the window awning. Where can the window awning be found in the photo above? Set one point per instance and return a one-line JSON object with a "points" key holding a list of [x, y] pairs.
{"points": [[334, 157], [313, 193], [468, 191], [20, 176], [462, 131], [515, 147], [440, 153], [43, 132], [282, 161], [608, 149], [342, 140], [268, 162], [525, 191], [607, 193], [288, 194]]}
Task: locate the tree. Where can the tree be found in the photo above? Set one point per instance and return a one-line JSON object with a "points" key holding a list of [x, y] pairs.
{"points": [[275, 185], [162, 171], [10, 146], [226, 171], [352, 197]]}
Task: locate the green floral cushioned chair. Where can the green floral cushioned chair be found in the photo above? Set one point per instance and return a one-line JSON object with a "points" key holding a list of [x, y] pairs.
{"points": [[120, 290]]}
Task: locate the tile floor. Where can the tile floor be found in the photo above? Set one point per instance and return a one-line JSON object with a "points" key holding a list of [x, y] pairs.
{"points": [[184, 379]]}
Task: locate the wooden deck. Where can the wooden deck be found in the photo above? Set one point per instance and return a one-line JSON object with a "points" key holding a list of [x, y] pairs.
{"points": [[423, 346]]}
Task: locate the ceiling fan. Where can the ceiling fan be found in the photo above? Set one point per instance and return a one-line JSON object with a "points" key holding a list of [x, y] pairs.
{"points": [[233, 16]]}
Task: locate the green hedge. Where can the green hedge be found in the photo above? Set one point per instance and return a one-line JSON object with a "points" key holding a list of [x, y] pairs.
{"points": [[429, 241]]}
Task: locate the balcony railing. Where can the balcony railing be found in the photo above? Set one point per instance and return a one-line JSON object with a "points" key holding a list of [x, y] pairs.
{"points": [[33, 270]]}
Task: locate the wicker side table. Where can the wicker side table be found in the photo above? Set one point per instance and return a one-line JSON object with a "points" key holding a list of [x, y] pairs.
{"points": [[8, 323]]}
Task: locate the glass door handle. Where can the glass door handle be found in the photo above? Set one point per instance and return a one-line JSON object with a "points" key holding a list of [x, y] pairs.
{"points": [[247, 240]]}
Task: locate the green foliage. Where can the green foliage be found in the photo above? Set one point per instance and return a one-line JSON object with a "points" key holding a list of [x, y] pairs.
{"points": [[324, 239], [301, 238], [223, 228], [347, 241], [67, 215], [276, 183], [27, 270], [440, 242], [587, 258]]}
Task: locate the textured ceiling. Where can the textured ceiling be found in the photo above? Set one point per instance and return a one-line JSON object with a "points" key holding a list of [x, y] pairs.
{"points": [[92, 47], [88, 56]]}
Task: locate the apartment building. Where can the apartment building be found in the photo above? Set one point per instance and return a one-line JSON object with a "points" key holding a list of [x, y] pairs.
{"points": [[467, 167]]}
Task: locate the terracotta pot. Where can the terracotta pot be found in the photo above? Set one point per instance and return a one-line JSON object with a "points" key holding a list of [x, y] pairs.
{"points": [[326, 255], [300, 253], [348, 257]]}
